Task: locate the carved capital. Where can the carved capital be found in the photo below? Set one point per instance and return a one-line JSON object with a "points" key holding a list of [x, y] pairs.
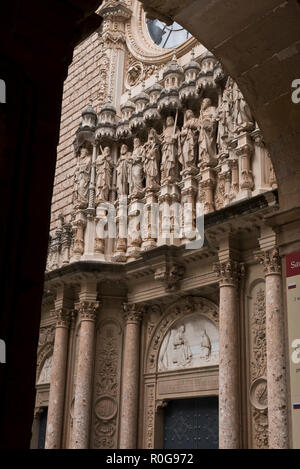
{"points": [[271, 261], [62, 316], [87, 310], [229, 272], [133, 313]]}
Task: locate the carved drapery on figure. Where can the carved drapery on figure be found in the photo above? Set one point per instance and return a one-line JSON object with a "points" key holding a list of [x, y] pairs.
{"points": [[151, 155], [104, 167], [82, 179], [207, 134], [169, 162], [188, 142]]}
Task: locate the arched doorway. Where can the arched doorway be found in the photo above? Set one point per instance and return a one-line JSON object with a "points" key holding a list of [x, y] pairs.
{"points": [[181, 378]]}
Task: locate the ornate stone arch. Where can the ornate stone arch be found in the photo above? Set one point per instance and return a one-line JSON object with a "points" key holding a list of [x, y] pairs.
{"points": [[178, 310], [45, 352]]}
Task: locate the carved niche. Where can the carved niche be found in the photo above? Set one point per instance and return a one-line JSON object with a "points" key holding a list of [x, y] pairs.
{"points": [[107, 385]]}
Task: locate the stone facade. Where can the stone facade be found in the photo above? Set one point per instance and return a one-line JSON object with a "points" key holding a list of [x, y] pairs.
{"points": [[162, 279]]}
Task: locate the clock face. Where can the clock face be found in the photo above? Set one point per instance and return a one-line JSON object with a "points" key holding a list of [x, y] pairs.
{"points": [[165, 36]]}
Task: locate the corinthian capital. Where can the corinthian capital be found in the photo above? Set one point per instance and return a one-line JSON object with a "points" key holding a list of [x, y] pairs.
{"points": [[133, 313], [87, 310], [271, 261], [229, 272], [62, 316]]}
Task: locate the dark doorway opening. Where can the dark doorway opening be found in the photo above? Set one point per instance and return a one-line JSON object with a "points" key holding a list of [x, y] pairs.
{"points": [[192, 424]]}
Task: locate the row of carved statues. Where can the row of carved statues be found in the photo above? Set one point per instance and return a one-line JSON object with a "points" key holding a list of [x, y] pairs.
{"points": [[170, 156]]}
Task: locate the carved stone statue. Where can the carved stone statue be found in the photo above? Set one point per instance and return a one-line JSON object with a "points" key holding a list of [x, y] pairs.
{"points": [[123, 171], [104, 169], [225, 111], [82, 179], [136, 184], [169, 163], [151, 160], [207, 134], [205, 344], [181, 354], [188, 142], [242, 116]]}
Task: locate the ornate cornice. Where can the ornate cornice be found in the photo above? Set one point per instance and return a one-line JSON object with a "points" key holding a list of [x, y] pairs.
{"points": [[133, 313], [87, 310], [271, 261], [229, 272]]}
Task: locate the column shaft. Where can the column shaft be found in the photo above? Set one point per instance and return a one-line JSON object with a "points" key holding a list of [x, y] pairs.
{"points": [[83, 385], [229, 400], [57, 384], [276, 363], [130, 379]]}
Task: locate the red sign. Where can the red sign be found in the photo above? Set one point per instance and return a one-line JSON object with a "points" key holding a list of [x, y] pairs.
{"points": [[293, 264]]}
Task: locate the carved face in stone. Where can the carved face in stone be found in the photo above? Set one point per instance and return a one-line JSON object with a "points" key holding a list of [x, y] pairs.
{"points": [[206, 103], [170, 121], [136, 142], [124, 149], [106, 151], [189, 114], [83, 152]]}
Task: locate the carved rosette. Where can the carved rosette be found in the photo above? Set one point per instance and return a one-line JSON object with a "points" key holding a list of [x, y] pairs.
{"points": [[87, 310], [258, 393], [271, 261], [229, 272], [133, 313]]}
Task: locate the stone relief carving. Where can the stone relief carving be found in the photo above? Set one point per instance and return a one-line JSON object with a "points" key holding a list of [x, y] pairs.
{"points": [[107, 385], [203, 345], [189, 344], [45, 374], [258, 392], [186, 150]]}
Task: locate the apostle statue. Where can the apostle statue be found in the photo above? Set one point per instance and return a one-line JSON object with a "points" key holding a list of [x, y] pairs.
{"points": [[225, 129], [151, 151], [123, 171], [169, 162], [188, 142], [82, 179], [104, 167], [207, 134], [242, 116], [136, 183]]}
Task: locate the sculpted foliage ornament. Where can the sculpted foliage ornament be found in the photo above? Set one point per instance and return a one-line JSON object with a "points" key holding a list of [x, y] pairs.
{"points": [[271, 261]]}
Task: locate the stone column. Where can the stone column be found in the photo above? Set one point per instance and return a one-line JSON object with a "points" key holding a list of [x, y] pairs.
{"points": [[83, 386], [58, 381], [276, 362], [130, 377], [229, 389]]}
